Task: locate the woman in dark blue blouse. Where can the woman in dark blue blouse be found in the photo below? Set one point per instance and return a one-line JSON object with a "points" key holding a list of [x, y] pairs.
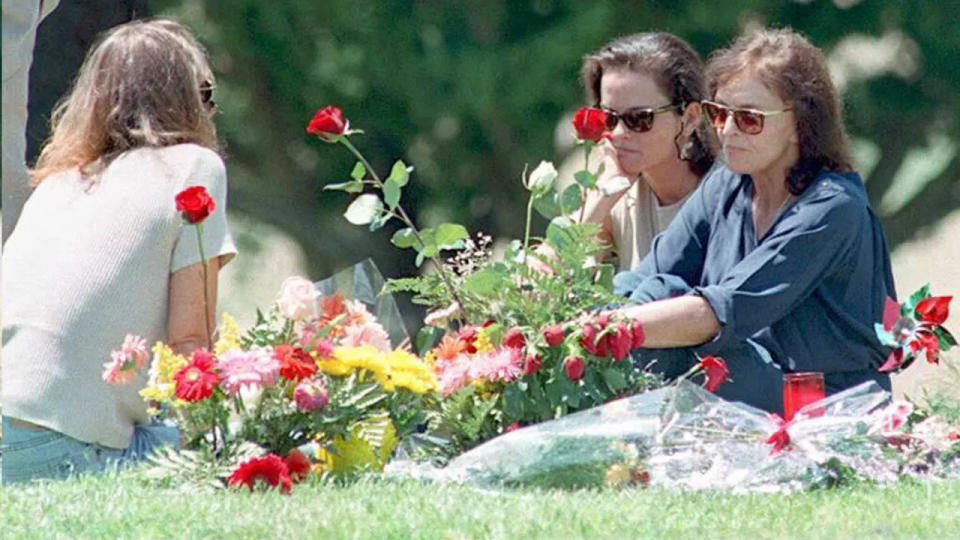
{"points": [[776, 262]]}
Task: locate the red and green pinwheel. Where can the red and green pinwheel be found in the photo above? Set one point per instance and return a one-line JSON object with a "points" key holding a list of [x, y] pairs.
{"points": [[915, 326]]}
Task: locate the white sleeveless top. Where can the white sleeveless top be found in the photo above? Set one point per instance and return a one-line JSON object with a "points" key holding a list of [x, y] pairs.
{"points": [[636, 219]]}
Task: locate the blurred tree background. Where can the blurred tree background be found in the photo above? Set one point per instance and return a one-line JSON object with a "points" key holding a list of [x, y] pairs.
{"points": [[470, 91]]}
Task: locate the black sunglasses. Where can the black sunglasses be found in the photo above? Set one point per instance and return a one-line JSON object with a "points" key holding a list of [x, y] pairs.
{"points": [[749, 121], [639, 120], [206, 95]]}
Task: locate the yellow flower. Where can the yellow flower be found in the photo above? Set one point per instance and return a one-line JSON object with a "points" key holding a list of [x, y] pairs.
{"points": [[165, 365], [229, 336], [483, 343]]}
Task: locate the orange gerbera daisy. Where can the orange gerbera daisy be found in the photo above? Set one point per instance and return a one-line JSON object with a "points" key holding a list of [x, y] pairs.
{"points": [[448, 348]]}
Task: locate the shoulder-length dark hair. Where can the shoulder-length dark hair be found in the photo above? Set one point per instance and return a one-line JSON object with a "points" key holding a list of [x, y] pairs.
{"points": [[789, 65], [676, 68]]}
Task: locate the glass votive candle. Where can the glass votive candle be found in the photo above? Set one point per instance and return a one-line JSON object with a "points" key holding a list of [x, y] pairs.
{"points": [[800, 389]]}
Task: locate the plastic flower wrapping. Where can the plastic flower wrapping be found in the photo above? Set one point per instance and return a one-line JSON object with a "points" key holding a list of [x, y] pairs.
{"points": [[685, 437]]}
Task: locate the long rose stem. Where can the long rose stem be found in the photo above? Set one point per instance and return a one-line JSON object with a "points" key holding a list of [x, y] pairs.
{"points": [[409, 223], [206, 295]]}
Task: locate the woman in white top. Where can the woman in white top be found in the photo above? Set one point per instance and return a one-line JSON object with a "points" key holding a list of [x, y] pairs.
{"points": [[650, 85], [101, 251]]}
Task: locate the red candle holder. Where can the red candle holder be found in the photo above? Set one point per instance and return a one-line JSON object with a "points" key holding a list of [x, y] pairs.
{"points": [[800, 389]]}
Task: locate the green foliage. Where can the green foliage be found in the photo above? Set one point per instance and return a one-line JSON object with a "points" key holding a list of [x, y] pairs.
{"points": [[464, 420]]}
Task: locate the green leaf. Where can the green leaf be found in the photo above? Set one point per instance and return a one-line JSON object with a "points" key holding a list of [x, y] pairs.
{"points": [[359, 171], [427, 338], [945, 338], [352, 186], [572, 199], [399, 174], [391, 194], [548, 206], [586, 179], [449, 233], [484, 282], [405, 238], [556, 231], [915, 298], [513, 399], [614, 379], [604, 278], [380, 221], [364, 209]]}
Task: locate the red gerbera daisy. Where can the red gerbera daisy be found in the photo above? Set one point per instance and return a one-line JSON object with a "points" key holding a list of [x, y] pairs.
{"points": [[268, 470], [197, 380], [295, 363]]}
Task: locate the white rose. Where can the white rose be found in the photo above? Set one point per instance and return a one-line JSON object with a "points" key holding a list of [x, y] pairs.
{"points": [[542, 178], [297, 298]]}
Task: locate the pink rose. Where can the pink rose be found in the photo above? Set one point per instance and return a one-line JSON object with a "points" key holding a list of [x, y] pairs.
{"points": [[297, 298], [311, 395]]}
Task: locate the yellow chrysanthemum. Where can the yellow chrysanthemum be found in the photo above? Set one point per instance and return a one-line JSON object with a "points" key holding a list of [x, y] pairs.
{"points": [[229, 335], [430, 358], [165, 365], [483, 343]]}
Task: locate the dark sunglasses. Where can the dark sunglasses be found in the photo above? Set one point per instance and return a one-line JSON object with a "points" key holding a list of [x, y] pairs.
{"points": [[639, 120], [206, 95], [749, 121]]}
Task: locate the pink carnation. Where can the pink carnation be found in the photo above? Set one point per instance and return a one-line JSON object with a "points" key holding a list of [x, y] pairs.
{"points": [[255, 368], [500, 364]]}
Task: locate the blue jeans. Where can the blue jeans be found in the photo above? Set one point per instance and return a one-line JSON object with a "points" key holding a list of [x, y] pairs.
{"points": [[31, 453]]}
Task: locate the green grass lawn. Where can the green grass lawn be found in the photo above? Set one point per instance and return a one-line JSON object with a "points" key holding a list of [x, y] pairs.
{"points": [[123, 506]]}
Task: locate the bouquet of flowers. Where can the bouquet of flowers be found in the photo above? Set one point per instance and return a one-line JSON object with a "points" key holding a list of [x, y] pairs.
{"points": [[316, 372], [914, 326], [499, 333]]}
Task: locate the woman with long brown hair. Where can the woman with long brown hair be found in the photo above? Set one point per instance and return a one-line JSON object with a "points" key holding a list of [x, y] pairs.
{"points": [[776, 262], [101, 251], [650, 86]]}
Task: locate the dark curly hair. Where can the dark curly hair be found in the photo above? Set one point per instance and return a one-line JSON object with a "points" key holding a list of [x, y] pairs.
{"points": [[676, 68], [789, 65]]}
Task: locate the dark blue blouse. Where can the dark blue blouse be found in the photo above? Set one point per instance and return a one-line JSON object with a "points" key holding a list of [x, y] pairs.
{"points": [[809, 291]]}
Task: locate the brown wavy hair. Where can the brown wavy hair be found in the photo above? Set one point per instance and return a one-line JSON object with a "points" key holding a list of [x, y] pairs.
{"points": [[676, 68], [789, 65], [139, 86]]}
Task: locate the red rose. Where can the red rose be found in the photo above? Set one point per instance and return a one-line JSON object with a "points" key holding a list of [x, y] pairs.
{"points": [[589, 339], [195, 204], [553, 335], [468, 336], [574, 367], [779, 439], [297, 465], [328, 121], [514, 339], [590, 124], [716, 370], [269, 469], [934, 310], [636, 330], [532, 364], [295, 363], [197, 380], [512, 427], [620, 342]]}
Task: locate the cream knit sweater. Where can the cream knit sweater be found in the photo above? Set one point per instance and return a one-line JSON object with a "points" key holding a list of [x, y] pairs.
{"points": [[88, 263]]}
